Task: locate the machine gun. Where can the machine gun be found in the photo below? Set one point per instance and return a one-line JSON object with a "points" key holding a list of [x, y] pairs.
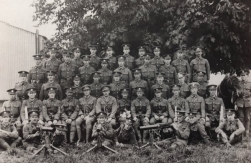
{"points": [[46, 132], [151, 129]]}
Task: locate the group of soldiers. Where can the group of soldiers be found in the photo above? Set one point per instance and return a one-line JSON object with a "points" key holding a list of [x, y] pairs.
{"points": [[83, 96]]}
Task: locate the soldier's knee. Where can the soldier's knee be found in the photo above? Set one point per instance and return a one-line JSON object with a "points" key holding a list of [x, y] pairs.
{"points": [[152, 120], [167, 120], [79, 121], [73, 126]]}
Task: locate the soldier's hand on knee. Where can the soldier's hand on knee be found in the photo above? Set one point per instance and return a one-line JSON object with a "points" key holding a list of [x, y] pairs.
{"points": [[49, 123], [55, 122], [40, 122], [146, 119], [135, 119], [202, 121], [161, 117], [231, 138], [36, 134], [156, 117]]}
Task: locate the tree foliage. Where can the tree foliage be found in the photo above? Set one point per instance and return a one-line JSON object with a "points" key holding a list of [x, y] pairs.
{"points": [[221, 27]]}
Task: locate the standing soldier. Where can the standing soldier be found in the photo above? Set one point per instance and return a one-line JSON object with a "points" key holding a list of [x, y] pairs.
{"points": [[94, 59], [51, 83], [136, 83], [170, 73], [230, 129], [107, 104], [196, 105], [184, 90], [157, 60], [9, 138], [86, 71], [105, 73], [126, 74], [77, 61], [176, 101], [215, 109], [202, 91], [78, 93], [31, 104], [52, 64], [14, 107], [160, 111], [129, 60], [37, 74], [141, 111], [51, 108], [182, 66], [160, 84], [148, 71], [70, 111], [124, 104], [112, 61], [87, 105], [96, 85], [66, 72], [243, 101], [200, 64], [22, 86], [117, 85], [140, 61]]}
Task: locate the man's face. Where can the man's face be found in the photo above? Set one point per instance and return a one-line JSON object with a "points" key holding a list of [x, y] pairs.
{"points": [[158, 94], [12, 97], [50, 77], [76, 82], [142, 53], [121, 63], [126, 50], [176, 92], [180, 54], [67, 58], [212, 92], [137, 76], [147, 60], [32, 95], [104, 65], [87, 92], [38, 62], [160, 79], [69, 93], [52, 94], [76, 53], [5, 118], [139, 93], [230, 116], [109, 52], [34, 118], [200, 77], [86, 63], [180, 118], [93, 51], [244, 77], [23, 78], [116, 78], [101, 120], [181, 79], [96, 79], [124, 95], [194, 90], [52, 54], [106, 92], [198, 52], [167, 61], [156, 52]]}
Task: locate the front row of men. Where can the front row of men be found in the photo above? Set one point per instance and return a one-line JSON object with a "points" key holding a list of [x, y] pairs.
{"points": [[117, 121]]}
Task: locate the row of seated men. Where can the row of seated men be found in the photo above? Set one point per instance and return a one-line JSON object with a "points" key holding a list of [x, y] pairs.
{"points": [[114, 114], [87, 67]]}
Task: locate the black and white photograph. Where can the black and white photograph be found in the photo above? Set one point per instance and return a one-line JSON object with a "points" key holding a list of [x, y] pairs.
{"points": [[125, 81]]}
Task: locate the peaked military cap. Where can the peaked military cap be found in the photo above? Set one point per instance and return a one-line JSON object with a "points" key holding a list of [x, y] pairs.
{"points": [[211, 87], [125, 90], [23, 73], [69, 89], [181, 112], [176, 87], [31, 89], [51, 89], [76, 78], [121, 58], [51, 73], [141, 48], [37, 57], [193, 85], [160, 74], [201, 73], [86, 58], [126, 46], [104, 61], [158, 90], [96, 74], [76, 49], [139, 89], [105, 87], [101, 115], [137, 71], [156, 48], [116, 74], [167, 57], [86, 87], [12, 91], [93, 46]]}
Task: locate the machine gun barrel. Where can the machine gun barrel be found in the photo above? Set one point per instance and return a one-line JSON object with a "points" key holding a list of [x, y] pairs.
{"points": [[155, 126]]}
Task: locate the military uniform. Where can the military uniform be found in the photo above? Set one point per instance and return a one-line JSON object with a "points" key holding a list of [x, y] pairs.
{"points": [[29, 138], [107, 105], [129, 60], [86, 72], [37, 74], [112, 61], [21, 87], [105, 73], [182, 66], [116, 88], [196, 104], [141, 60], [200, 64], [126, 74], [126, 133], [124, 104], [44, 93], [77, 61], [52, 64], [70, 110], [34, 104], [157, 61], [9, 136], [243, 102], [66, 73], [227, 128], [140, 109], [178, 102], [87, 105], [165, 90], [184, 90], [95, 62], [170, 75]]}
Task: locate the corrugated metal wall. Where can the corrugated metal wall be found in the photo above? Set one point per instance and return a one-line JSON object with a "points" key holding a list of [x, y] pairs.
{"points": [[16, 49]]}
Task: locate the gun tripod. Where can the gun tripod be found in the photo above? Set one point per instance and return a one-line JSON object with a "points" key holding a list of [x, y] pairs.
{"points": [[151, 141], [47, 146]]}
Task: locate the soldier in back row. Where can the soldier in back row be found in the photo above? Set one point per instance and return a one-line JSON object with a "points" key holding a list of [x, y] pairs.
{"points": [[22, 86], [94, 59], [126, 74], [140, 61], [157, 60], [105, 73], [86, 71], [129, 60]]}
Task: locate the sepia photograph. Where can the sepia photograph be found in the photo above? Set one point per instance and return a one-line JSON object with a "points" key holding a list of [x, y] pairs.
{"points": [[125, 81]]}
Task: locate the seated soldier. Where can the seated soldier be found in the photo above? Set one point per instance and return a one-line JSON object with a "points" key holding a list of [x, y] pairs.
{"points": [[184, 89], [31, 135], [77, 94], [9, 138], [59, 137], [87, 106], [231, 129], [102, 130], [124, 105], [160, 111], [160, 84], [51, 107], [14, 107], [202, 90], [96, 85], [70, 110], [141, 111], [182, 132], [107, 104]]}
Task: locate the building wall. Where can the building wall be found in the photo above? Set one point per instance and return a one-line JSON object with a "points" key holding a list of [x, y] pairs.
{"points": [[17, 46]]}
